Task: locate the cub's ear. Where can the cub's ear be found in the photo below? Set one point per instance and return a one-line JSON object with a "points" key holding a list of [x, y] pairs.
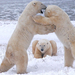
{"points": [[50, 41], [34, 43], [34, 46], [34, 4]]}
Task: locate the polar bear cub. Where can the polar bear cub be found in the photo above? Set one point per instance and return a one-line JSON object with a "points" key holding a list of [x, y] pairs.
{"points": [[44, 47]]}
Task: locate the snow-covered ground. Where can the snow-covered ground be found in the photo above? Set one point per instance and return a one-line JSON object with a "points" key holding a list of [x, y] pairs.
{"points": [[50, 65]]}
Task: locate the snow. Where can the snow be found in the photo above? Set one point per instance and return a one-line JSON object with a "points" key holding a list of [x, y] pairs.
{"points": [[50, 65]]}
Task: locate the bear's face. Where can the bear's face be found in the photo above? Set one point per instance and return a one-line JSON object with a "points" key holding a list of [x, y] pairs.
{"points": [[36, 7], [52, 10], [43, 45], [39, 6]]}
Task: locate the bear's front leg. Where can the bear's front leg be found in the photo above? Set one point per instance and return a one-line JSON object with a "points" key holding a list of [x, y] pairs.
{"points": [[37, 53], [37, 56], [49, 52], [42, 20], [68, 57]]}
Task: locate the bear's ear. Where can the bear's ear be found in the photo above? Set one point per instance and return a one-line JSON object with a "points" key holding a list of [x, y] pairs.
{"points": [[50, 41], [34, 4], [47, 43], [35, 42]]}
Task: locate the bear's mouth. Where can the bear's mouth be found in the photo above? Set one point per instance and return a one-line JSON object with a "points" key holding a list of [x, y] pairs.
{"points": [[41, 11]]}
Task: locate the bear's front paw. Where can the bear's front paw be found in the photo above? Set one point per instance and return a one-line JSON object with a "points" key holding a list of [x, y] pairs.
{"points": [[53, 27], [37, 19]]}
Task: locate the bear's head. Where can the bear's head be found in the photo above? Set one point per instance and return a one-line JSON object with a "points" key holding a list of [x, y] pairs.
{"points": [[53, 10], [43, 45], [35, 7]]}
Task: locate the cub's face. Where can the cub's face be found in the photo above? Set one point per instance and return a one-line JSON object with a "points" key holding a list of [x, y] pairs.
{"points": [[43, 45]]}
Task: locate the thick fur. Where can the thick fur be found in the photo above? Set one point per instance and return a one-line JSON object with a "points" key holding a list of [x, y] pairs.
{"points": [[20, 40], [44, 47], [34, 46], [65, 31], [54, 47]]}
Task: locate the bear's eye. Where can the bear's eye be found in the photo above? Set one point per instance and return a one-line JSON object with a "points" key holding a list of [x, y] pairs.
{"points": [[47, 43], [40, 45], [44, 45], [41, 4], [34, 4]]}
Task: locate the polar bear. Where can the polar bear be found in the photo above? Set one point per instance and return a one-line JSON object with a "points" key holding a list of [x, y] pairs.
{"points": [[65, 31], [20, 40], [44, 47]]}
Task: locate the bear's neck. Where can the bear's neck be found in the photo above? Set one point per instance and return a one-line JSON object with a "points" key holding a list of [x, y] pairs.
{"points": [[29, 12]]}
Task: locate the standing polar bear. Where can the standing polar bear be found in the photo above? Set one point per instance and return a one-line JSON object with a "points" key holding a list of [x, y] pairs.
{"points": [[65, 31], [44, 47], [25, 30]]}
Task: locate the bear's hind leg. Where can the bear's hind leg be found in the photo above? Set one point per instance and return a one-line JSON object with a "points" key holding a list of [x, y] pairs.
{"points": [[68, 57], [21, 63], [73, 49], [21, 67], [5, 65]]}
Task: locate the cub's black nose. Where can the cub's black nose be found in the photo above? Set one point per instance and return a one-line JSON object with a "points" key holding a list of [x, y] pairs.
{"points": [[41, 49]]}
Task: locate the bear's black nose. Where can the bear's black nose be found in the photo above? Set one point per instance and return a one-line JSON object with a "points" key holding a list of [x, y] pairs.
{"points": [[41, 49]]}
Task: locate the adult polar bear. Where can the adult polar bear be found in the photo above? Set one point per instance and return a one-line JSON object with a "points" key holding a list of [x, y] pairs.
{"points": [[64, 30], [25, 30]]}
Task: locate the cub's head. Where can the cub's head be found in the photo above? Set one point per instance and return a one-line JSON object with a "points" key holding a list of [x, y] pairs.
{"points": [[35, 7], [43, 45], [53, 10]]}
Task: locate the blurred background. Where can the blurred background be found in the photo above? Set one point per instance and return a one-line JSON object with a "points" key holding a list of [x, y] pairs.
{"points": [[11, 9]]}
